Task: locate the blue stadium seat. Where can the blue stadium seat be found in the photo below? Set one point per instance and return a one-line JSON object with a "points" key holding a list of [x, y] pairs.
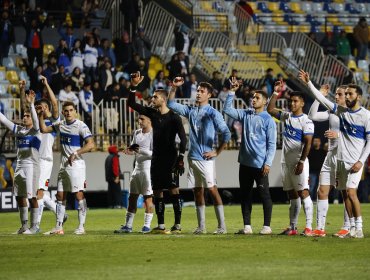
{"points": [[290, 20], [329, 9], [351, 9], [285, 8], [312, 21], [263, 8]]}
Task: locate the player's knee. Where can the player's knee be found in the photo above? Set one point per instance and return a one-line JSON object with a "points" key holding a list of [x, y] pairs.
{"points": [[352, 194], [322, 192]]}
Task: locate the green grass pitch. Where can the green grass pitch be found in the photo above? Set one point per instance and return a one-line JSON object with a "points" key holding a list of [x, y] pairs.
{"points": [[100, 254]]}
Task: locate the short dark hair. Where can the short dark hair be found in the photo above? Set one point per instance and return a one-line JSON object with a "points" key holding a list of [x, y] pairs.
{"points": [[298, 94], [356, 87], [206, 85], [68, 103], [162, 92], [262, 92], [342, 86], [43, 101]]}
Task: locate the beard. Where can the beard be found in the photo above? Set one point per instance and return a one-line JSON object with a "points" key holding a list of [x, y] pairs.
{"points": [[351, 104]]}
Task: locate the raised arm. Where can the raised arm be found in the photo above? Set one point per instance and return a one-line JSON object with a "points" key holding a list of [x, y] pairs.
{"points": [[31, 100], [8, 123], [304, 76], [180, 109], [229, 109], [52, 98], [136, 79], [317, 116], [271, 108], [43, 127], [22, 90]]}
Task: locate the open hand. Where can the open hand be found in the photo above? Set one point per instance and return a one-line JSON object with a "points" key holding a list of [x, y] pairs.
{"points": [[136, 78]]}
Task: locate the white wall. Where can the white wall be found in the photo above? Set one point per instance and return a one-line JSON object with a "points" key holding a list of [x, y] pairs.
{"points": [[227, 169]]}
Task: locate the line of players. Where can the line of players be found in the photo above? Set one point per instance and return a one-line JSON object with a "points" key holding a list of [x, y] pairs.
{"points": [[35, 138], [155, 142]]}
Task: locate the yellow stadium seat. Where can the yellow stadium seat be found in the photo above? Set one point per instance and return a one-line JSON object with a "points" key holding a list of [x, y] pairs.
{"points": [[305, 28], [152, 73], [206, 5], [12, 76], [279, 18], [253, 6], [366, 76], [294, 6], [14, 90], [158, 66], [352, 64], [273, 6]]}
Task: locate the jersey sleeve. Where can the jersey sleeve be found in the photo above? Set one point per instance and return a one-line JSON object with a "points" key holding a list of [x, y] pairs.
{"points": [[85, 131], [221, 127], [308, 128], [180, 109], [229, 109]]}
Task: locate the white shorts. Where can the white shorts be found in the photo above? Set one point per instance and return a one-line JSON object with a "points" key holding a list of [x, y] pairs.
{"points": [[140, 182], [45, 172], [328, 174], [72, 179], [202, 174], [292, 181], [347, 180], [25, 181]]}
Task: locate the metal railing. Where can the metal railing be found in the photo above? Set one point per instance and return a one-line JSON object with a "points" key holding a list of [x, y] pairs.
{"points": [[161, 32], [246, 29], [308, 55], [270, 42], [218, 22]]}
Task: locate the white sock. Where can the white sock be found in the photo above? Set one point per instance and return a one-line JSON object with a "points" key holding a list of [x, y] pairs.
{"points": [[322, 210], [358, 222], [294, 209], [61, 210], [346, 222], [40, 202], [129, 219], [23, 213], [49, 203], [308, 210], [219, 210], [148, 219], [82, 209], [34, 217], [201, 216], [161, 226], [352, 221]]}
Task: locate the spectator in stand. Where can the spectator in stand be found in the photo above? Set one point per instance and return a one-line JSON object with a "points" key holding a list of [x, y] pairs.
{"points": [[246, 7], [7, 36], [269, 81], [111, 99], [234, 73], [87, 101], [77, 79], [123, 50], [144, 86], [184, 66], [98, 93], [142, 46], [64, 56], [67, 36], [190, 88], [51, 66], [174, 67], [316, 158], [183, 42], [90, 60], [35, 80], [105, 50], [106, 75], [216, 82], [223, 95], [343, 47], [77, 55], [159, 81], [67, 94], [329, 44], [88, 7], [133, 65], [131, 13], [33, 42], [58, 79], [361, 35], [124, 87]]}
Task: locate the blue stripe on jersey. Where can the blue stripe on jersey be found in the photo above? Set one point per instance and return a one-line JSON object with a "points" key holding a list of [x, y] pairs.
{"points": [[293, 133], [71, 140], [49, 123], [28, 141], [352, 129], [334, 109]]}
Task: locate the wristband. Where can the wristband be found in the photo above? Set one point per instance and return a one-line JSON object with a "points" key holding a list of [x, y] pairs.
{"points": [[301, 161], [275, 93], [133, 88]]}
